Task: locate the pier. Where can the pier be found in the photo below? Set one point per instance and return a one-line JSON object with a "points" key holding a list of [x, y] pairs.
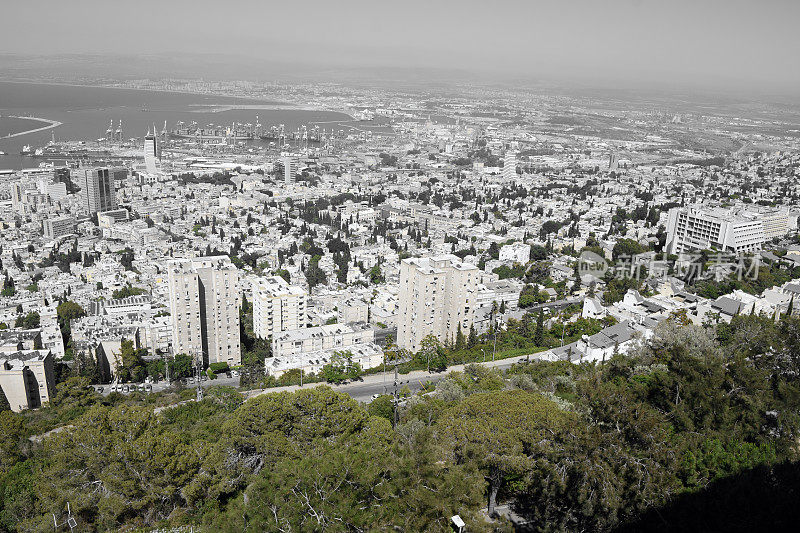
{"points": [[50, 125]]}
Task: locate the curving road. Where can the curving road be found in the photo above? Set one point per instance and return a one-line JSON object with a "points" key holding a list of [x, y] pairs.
{"points": [[370, 385]]}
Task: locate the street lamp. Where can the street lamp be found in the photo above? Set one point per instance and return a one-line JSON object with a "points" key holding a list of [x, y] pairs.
{"points": [[484, 355]]}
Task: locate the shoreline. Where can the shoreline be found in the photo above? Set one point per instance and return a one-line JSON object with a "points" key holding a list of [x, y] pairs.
{"points": [[50, 125], [87, 85], [267, 104]]}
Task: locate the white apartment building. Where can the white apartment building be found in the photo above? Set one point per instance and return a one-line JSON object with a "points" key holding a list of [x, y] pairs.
{"points": [[53, 228], [510, 167], [436, 295], [352, 310], [277, 306], [316, 339], [700, 228], [27, 378], [518, 253], [776, 223], [367, 355], [204, 305]]}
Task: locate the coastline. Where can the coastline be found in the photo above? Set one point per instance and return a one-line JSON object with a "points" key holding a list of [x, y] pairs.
{"points": [[258, 102]]}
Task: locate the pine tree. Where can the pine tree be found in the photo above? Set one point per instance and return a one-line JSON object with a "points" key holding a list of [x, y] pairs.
{"points": [[460, 340], [538, 335], [472, 340]]}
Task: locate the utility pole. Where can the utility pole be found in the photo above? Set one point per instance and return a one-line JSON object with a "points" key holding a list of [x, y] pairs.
{"points": [[395, 399], [199, 373]]}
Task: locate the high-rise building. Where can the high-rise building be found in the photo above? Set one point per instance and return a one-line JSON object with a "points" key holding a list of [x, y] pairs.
{"points": [[289, 168], [204, 305], [704, 228], [97, 188], [510, 166], [437, 294], [17, 197], [277, 306], [151, 152]]}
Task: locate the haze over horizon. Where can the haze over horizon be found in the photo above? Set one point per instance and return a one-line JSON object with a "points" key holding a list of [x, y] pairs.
{"points": [[709, 43]]}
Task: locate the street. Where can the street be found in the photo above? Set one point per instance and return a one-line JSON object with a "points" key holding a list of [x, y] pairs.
{"points": [[370, 385]]}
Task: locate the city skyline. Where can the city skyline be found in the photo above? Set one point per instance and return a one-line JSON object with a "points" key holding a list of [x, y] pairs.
{"points": [[710, 44], [355, 266]]}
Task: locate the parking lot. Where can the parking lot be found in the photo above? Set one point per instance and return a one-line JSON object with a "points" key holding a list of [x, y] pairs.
{"points": [[229, 380]]}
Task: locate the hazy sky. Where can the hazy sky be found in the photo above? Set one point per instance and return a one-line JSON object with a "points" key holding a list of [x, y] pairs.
{"points": [[724, 41]]}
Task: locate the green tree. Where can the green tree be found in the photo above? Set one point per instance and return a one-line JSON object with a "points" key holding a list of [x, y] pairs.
{"points": [[495, 430], [461, 341], [538, 335], [29, 321]]}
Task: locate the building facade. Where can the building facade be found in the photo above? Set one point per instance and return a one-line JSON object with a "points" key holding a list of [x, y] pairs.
{"points": [[277, 306], [151, 152], [437, 294], [320, 338], [53, 228], [27, 378], [97, 186], [702, 228], [204, 305]]}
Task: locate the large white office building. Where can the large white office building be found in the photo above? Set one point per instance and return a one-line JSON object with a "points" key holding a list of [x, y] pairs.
{"points": [[277, 306], [704, 228], [437, 294], [204, 304], [54, 228]]}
